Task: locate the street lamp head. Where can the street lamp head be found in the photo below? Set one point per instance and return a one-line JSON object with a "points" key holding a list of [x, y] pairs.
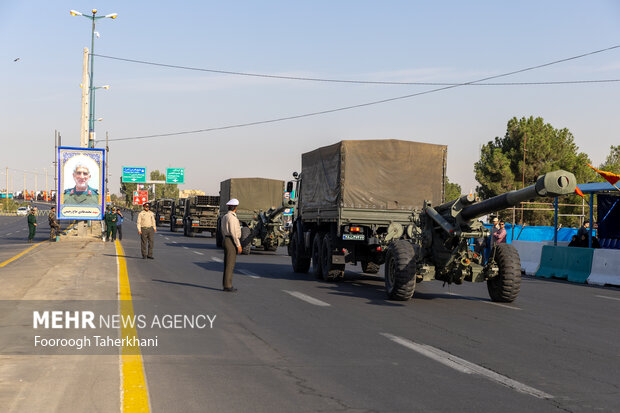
{"points": [[112, 15], [94, 11], [75, 13]]}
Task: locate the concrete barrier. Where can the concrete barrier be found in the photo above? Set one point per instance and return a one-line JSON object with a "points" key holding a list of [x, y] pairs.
{"points": [[605, 267], [529, 252], [571, 263]]}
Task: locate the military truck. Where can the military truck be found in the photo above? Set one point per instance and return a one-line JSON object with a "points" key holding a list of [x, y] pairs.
{"points": [[201, 214], [163, 210], [176, 217], [354, 197], [259, 211]]}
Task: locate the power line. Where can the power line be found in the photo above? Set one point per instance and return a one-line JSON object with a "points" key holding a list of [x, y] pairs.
{"points": [[366, 82], [377, 102]]}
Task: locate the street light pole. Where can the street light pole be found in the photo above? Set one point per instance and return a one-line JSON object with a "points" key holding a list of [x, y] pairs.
{"points": [[91, 89]]}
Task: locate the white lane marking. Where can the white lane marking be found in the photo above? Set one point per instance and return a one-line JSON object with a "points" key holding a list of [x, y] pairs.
{"points": [[174, 242], [166, 237], [501, 305], [465, 366], [484, 301], [9, 233], [18, 230], [196, 252], [307, 298], [186, 248], [609, 298], [216, 259], [249, 273]]}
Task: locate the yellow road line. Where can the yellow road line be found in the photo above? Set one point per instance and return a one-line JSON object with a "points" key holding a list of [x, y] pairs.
{"points": [[134, 394], [10, 260]]}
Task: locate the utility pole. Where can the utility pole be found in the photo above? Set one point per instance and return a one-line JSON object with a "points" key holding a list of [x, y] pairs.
{"points": [[85, 102], [36, 175], [107, 155], [7, 190], [47, 190]]}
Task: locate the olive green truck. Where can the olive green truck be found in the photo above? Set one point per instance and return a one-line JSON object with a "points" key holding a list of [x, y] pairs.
{"points": [[354, 197], [259, 202]]}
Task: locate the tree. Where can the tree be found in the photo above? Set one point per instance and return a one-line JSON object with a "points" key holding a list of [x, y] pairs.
{"points": [[164, 190], [611, 164], [453, 190], [502, 168]]}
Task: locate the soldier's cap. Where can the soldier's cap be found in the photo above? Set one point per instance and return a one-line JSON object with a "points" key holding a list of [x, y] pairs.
{"points": [[233, 202], [146, 204]]}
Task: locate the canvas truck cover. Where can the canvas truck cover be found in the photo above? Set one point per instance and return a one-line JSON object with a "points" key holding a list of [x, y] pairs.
{"points": [[373, 174], [254, 194]]}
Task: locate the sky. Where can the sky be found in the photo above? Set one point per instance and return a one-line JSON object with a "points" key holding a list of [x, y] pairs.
{"points": [[41, 48]]}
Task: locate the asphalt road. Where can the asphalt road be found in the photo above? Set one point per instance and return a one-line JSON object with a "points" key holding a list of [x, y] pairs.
{"points": [[286, 342]]}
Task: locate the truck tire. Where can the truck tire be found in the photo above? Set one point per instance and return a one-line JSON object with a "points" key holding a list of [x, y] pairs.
{"points": [[505, 286], [246, 241], [172, 227], [218, 236], [185, 229], [331, 271], [370, 267], [400, 267], [300, 263], [317, 266]]}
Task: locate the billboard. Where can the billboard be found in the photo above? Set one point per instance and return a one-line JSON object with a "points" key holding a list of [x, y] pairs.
{"points": [[81, 183]]}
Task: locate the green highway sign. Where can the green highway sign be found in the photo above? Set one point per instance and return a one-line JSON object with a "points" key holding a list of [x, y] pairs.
{"points": [[175, 175], [134, 174]]}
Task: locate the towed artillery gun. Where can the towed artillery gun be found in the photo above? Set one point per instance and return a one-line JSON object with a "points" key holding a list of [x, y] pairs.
{"points": [[436, 243], [268, 230]]}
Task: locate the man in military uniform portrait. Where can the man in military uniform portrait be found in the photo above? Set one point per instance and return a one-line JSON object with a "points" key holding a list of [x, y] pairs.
{"points": [[81, 193]]}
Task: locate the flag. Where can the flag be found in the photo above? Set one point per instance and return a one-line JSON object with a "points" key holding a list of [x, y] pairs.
{"points": [[578, 192], [609, 176]]}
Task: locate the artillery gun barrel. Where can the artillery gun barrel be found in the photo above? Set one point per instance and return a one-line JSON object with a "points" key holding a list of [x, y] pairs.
{"points": [[556, 183]]}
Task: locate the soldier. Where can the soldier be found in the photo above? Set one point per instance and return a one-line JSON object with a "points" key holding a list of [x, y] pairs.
{"points": [[146, 229], [119, 224], [32, 223], [54, 225], [110, 224], [81, 193], [231, 231]]}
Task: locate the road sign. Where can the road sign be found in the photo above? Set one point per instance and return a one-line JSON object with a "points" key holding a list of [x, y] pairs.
{"points": [[175, 175], [134, 174], [140, 197]]}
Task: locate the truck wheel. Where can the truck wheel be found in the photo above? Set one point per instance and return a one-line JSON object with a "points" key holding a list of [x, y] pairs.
{"points": [[331, 271], [185, 230], [218, 236], [317, 268], [370, 267], [246, 242], [300, 264], [505, 286], [172, 227], [400, 268]]}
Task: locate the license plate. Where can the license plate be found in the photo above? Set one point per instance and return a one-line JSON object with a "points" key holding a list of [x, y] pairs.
{"points": [[353, 237]]}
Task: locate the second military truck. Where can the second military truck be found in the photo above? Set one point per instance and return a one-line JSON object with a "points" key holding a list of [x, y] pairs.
{"points": [[259, 212]]}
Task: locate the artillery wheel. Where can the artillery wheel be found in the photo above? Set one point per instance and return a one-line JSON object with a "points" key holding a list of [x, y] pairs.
{"points": [[370, 267], [331, 271], [271, 246], [505, 286], [317, 268], [400, 267], [246, 240], [300, 264]]}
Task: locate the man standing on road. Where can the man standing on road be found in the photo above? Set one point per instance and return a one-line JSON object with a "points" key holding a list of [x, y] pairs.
{"points": [[119, 224], [499, 236], [147, 229], [110, 224], [32, 223], [54, 225], [231, 231]]}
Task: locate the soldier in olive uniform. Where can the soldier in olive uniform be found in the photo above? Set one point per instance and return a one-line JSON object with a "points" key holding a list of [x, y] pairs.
{"points": [[32, 223], [110, 224], [81, 194], [54, 225]]}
